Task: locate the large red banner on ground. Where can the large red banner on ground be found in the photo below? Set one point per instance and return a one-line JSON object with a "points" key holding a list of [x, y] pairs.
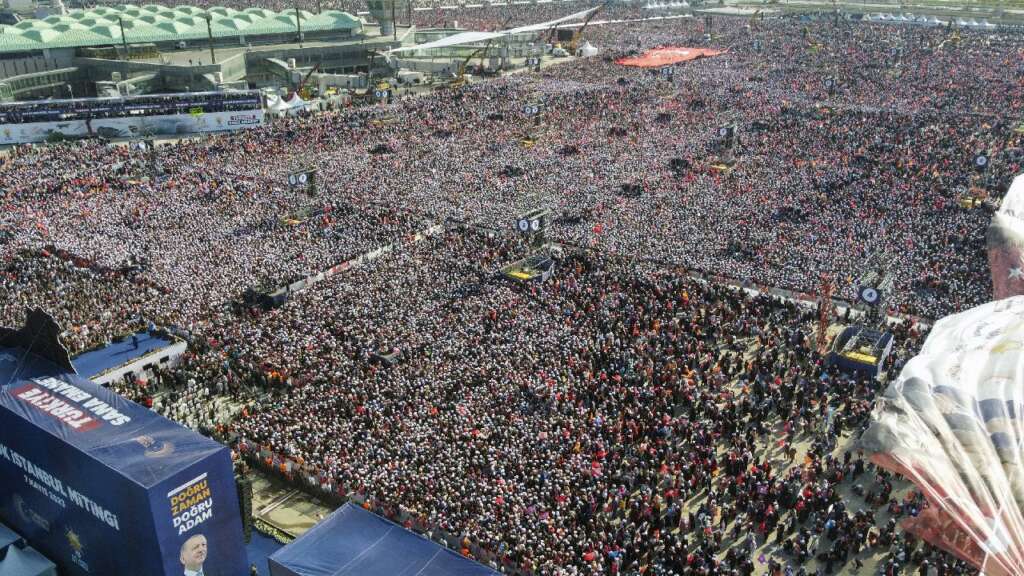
{"points": [[667, 55]]}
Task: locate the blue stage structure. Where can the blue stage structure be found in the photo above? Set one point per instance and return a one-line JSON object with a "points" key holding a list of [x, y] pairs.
{"points": [[354, 542], [101, 485], [860, 349], [259, 548]]}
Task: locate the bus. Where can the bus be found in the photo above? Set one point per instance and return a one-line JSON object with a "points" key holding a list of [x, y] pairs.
{"points": [[148, 116]]}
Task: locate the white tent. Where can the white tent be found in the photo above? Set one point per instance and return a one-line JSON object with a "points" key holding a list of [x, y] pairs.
{"points": [[278, 107], [587, 50], [296, 104], [933, 21]]}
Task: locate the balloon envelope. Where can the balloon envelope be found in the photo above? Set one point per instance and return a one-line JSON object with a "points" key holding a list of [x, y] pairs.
{"points": [[953, 424]]}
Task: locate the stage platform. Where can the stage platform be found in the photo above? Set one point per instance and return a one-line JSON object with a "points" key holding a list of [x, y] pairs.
{"points": [[861, 349], [535, 267], [123, 357]]}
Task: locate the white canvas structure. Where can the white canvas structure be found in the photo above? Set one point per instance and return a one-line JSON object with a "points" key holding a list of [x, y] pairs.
{"points": [[276, 105], [280, 107], [952, 424], [587, 50], [476, 37]]}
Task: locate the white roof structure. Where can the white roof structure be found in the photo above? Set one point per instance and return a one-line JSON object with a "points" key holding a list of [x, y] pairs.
{"points": [[474, 37]]}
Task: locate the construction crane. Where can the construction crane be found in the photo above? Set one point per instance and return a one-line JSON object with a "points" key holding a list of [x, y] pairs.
{"points": [[578, 34], [302, 83], [954, 37], [812, 44], [756, 19], [460, 78]]}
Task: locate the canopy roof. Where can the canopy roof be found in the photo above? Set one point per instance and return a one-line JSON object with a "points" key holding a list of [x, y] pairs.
{"points": [[463, 38], [151, 23], [355, 542]]}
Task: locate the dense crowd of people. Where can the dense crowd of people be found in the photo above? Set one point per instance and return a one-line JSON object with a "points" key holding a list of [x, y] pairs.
{"points": [[620, 418], [624, 159]]}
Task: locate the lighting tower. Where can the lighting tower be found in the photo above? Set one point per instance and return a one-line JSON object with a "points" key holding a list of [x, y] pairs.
{"points": [[383, 11]]}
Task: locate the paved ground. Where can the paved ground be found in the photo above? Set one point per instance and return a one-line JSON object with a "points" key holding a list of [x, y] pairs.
{"points": [[289, 510]]}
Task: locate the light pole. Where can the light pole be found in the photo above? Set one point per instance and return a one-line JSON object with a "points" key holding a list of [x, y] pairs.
{"points": [[394, 24], [124, 41], [209, 35]]}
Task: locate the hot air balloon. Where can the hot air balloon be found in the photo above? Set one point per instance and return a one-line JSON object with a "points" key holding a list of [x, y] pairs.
{"points": [[953, 424]]}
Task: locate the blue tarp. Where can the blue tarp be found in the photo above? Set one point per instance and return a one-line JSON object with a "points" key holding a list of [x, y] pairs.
{"points": [[7, 537], [102, 485], [354, 542], [99, 422], [117, 354], [27, 562], [259, 549]]}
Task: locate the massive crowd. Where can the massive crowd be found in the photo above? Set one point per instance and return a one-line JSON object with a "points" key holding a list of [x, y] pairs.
{"points": [[621, 418], [618, 419]]}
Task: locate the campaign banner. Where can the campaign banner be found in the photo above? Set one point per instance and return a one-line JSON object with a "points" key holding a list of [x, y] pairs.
{"points": [[101, 485], [132, 126]]}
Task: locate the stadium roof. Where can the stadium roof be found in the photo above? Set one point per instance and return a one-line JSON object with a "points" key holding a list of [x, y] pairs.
{"points": [[151, 23]]}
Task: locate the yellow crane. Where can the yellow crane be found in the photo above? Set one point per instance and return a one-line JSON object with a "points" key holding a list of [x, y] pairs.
{"points": [[756, 19], [954, 37], [578, 34], [460, 77]]}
